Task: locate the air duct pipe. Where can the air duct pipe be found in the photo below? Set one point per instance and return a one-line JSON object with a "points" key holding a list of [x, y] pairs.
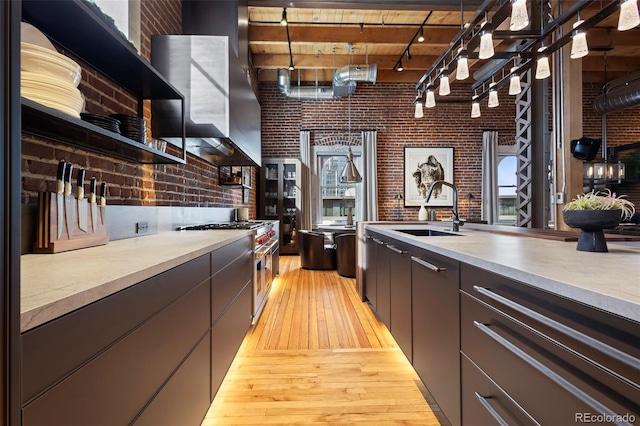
{"points": [[619, 94], [344, 83]]}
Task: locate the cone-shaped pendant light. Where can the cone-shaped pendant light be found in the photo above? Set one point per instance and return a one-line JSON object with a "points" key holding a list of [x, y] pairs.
{"points": [[350, 173]]}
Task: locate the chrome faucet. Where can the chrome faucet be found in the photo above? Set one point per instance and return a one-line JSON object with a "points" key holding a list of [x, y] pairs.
{"points": [[457, 223]]}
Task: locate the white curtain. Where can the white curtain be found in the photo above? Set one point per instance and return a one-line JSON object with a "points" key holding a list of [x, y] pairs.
{"points": [[490, 176], [370, 175], [305, 179]]}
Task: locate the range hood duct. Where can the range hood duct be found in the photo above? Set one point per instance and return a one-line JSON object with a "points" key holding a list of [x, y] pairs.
{"points": [[344, 83], [619, 94], [222, 114]]}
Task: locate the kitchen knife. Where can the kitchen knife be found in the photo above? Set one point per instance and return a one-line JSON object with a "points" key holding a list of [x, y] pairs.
{"points": [[69, 201], [82, 202], [60, 193], [103, 202], [92, 202]]}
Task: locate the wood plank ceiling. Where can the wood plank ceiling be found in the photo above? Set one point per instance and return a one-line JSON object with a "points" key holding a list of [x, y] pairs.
{"points": [[329, 34]]}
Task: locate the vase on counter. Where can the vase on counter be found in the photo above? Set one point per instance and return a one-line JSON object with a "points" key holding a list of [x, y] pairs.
{"points": [[422, 213], [591, 224]]}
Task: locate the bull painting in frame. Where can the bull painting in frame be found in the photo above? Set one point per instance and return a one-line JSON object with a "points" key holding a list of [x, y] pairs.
{"points": [[423, 166]]}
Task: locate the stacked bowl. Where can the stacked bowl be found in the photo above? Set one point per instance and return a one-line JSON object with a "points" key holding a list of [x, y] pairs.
{"points": [[48, 77], [132, 127]]}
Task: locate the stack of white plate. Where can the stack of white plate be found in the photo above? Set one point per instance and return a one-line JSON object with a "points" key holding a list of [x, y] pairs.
{"points": [[51, 79]]}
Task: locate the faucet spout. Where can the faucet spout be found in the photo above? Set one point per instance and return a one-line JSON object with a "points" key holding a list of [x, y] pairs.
{"points": [[456, 222]]}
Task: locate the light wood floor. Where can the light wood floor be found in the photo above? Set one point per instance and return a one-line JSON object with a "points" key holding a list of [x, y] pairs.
{"points": [[318, 355]]}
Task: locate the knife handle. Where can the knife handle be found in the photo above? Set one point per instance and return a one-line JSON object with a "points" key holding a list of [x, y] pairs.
{"points": [[67, 179], [92, 190], [62, 165], [80, 184], [103, 194]]}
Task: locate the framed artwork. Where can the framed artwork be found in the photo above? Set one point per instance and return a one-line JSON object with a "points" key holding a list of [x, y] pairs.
{"points": [[246, 176], [422, 167], [245, 195]]}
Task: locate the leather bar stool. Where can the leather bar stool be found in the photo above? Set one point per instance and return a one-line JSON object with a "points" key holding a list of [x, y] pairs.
{"points": [[315, 253], [346, 254]]}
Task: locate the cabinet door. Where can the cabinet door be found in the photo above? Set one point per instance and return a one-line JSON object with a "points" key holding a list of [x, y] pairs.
{"points": [[436, 332], [400, 293], [290, 202], [383, 304], [370, 271]]}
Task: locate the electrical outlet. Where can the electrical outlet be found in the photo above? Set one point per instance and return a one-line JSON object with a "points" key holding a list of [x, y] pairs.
{"points": [[142, 227], [560, 197]]}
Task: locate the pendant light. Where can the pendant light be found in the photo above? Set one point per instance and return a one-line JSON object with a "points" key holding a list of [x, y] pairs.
{"points": [[431, 98], [519, 15], [462, 70], [419, 112], [629, 15], [542, 65], [493, 96], [350, 173], [475, 107], [514, 82], [486, 41], [579, 47], [445, 87]]}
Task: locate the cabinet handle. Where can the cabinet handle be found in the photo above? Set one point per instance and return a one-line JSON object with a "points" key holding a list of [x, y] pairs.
{"points": [[595, 344], [377, 241], [497, 417], [395, 249], [546, 371], [427, 264]]}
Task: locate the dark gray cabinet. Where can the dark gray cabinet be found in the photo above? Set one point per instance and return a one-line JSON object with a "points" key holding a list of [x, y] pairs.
{"points": [[436, 333], [554, 358], [383, 289], [154, 353], [400, 295], [370, 270]]}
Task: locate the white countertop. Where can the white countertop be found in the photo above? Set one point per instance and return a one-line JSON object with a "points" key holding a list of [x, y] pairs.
{"points": [[608, 281], [55, 284]]}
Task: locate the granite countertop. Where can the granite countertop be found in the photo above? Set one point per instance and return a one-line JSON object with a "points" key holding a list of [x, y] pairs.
{"points": [[608, 281], [55, 284]]}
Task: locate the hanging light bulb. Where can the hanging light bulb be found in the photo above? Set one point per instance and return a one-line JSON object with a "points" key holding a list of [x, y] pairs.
{"points": [[514, 82], [486, 45], [475, 107], [284, 21], [431, 99], [445, 88], [493, 96], [519, 15], [629, 15], [542, 66], [579, 47], [419, 113], [421, 35], [462, 70]]}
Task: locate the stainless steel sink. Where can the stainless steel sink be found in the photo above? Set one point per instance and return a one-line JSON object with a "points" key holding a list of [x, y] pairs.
{"points": [[425, 232]]}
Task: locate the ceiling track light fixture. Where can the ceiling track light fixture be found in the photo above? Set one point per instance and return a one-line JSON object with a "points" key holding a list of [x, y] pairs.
{"points": [[291, 68], [284, 21], [406, 52], [519, 16], [399, 66], [475, 107], [419, 112], [493, 96], [462, 69], [514, 81], [445, 87], [420, 35], [579, 46]]}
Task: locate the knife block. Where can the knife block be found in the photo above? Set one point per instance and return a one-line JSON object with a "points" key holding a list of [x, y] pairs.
{"points": [[47, 240]]}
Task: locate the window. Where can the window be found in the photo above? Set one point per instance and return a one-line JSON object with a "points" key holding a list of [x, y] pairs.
{"points": [[338, 199], [126, 16], [507, 185]]}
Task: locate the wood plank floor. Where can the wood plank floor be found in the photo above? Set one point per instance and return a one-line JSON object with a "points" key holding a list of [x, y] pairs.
{"points": [[318, 355]]}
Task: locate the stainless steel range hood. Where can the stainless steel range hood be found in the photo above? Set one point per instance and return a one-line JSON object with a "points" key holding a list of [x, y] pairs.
{"points": [[222, 114]]}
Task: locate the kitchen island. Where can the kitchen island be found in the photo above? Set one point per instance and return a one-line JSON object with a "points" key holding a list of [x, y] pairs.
{"points": [[509, 328], [149, 325]]}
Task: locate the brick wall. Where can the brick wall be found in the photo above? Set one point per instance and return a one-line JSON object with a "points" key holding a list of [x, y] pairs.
{"points": [[193, 184], [388, 108]]}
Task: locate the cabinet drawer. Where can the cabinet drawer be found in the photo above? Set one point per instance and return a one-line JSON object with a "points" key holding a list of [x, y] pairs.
{"points": [[185, 399], [228, 282], [607, 339], [484, 403], [227, 254], [551, 383], [114, 387], [55, 349]]}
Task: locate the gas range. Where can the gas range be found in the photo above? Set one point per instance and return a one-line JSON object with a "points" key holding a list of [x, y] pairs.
{"points": [[224, 225]]}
